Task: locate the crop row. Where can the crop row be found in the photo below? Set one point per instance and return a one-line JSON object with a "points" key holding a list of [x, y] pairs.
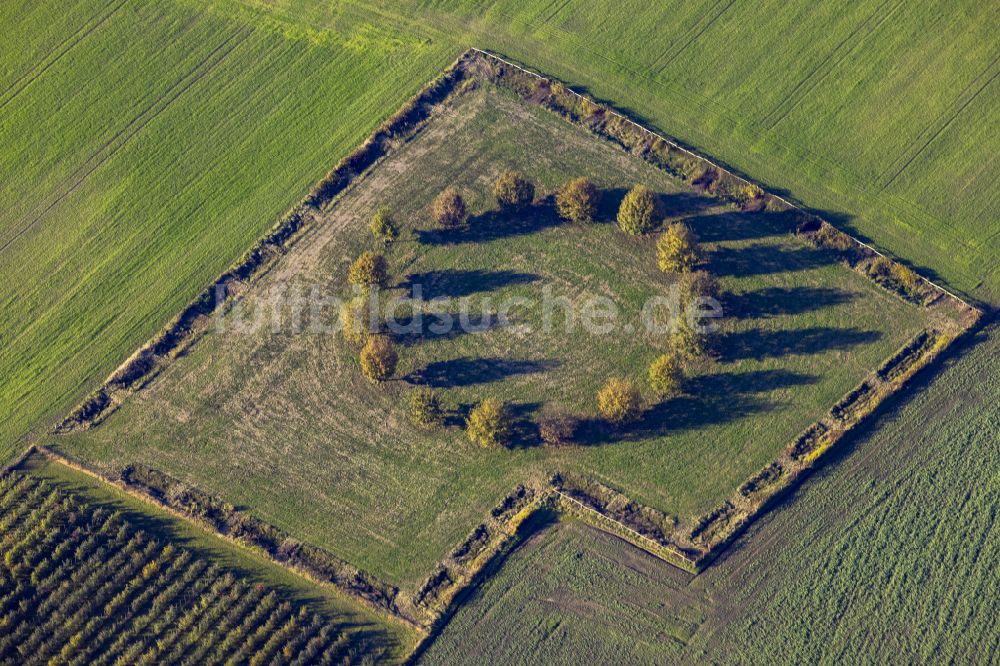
{"points": [[80, 585]]}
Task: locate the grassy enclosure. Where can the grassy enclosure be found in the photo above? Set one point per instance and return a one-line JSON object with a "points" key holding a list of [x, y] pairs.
{"points": [[282, 421]]}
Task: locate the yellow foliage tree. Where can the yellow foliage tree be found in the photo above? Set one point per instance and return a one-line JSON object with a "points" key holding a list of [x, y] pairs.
{"points": [[489, 423], [677, 249], [619, 401]]}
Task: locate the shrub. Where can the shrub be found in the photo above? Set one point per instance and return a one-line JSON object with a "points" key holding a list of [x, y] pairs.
{"points": [[699, 284], [449, 209], [665, 375], [556, 428], [425, 407], [906, 277], [355, 323], [677, 249], [686, 340], [639, 211], [512, 190], [831, 238], [489, 423], [619, 401], [369, 270], [378, 358], [748, 193], [382, 226], [577, 200]]}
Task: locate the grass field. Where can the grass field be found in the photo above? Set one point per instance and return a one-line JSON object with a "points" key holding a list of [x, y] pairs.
{"points": [[75, 553], [276, 419], [901, 568]]}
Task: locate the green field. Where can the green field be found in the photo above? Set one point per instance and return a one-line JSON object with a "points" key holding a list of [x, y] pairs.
{"points": [[900, 569], [274, 419], [92, 575]]}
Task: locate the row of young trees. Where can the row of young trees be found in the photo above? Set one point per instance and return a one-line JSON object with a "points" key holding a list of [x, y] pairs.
{"points": [[578, 201], [80, 585]]}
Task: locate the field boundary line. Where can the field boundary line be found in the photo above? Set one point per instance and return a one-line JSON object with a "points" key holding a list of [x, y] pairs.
{"points": [[673, 550], [709, 161], [34, 73]]}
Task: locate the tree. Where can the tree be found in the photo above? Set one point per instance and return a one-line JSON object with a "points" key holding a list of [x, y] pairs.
{"points": [[665, 375], [577, 200], [449, 208], [489, 423], [619, 401], [369, 270], [556, 428], [512, 190], [382, 226], [639, 211], [355, 322], [696, 285], [677, 249], [686, 340], [378, 358], [425, 407]]}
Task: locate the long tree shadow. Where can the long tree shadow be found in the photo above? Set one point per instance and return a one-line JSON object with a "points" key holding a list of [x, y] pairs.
{"points": [[675, 204], [496, 224], [777, 301], [456, 283], [757, 345], [739, 226], [763, 259], [470, 371], [524, 429], [707, 400], [416, 329]]}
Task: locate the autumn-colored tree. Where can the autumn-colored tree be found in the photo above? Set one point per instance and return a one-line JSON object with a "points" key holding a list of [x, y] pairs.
{"points": [[512, 190], [665, 375], [619, 401], [556, 428], [382, 226], [449, 208], [489, 423], [577, 200], [378, 358], [698, 285], [369, 270], [677, 249], [639, 211], [686, 340], [355, 321], [425, 407]]}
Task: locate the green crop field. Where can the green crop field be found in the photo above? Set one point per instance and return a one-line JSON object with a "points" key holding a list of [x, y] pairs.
{"points": [[273, 418], [900, 568], [91, 575]]}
